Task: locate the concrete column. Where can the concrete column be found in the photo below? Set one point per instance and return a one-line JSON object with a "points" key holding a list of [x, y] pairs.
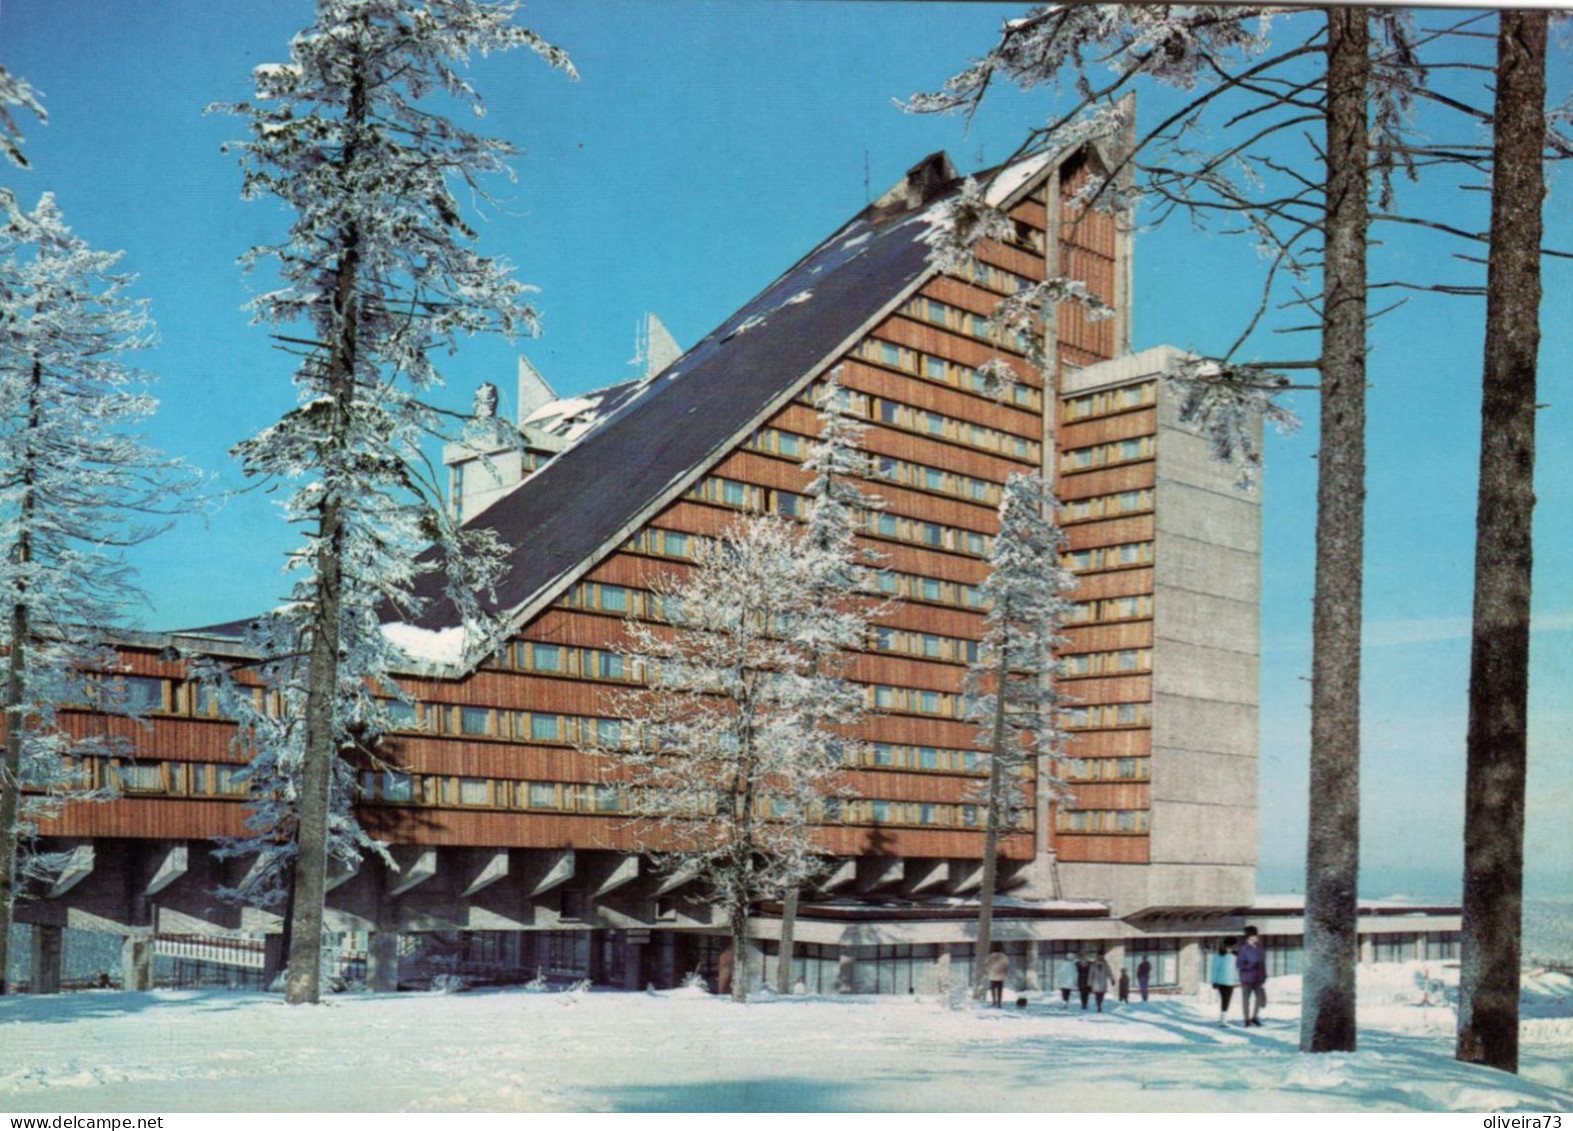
{"points": [[382, 961], [273, 958], [1420, 947], [136, 963], [1367, 950], [1030, 974], [48, 949], [1190, 972]]}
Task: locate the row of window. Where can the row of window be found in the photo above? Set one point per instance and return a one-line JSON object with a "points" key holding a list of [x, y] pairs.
{"points": [[1106, 455], [1107, 715], [514, 726], [960, 321], [880, 524], [910, 586], [1122, 662], [1109, 557], [1106, 769], [883, 697], [929, 645], [943, 371], [924, 422], [776, 441], [559, 659], [1110, 401], [1107, 506], [992, 277], [1138, 607], [147, 695], [888, 755], [1102, 821]]}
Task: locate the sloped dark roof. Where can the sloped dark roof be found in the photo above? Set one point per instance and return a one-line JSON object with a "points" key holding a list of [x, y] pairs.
{"points": [[569, 509]]}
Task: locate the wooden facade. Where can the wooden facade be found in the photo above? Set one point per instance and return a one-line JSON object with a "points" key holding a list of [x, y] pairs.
{"points": [[491, 759]]}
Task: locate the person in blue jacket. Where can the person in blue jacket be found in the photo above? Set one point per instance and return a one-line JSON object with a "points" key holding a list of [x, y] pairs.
{"points": [[1252, 963], [1224, 977]]}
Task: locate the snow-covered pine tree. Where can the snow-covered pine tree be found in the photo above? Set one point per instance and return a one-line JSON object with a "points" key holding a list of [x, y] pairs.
{"points": [[837, 509], [77, 486], [723, 756], [1306, 203], [15, 91], [1011, 688], [381, 267]]}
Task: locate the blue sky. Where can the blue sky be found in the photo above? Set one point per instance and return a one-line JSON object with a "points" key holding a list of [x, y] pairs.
{"points": [[709, 145]]}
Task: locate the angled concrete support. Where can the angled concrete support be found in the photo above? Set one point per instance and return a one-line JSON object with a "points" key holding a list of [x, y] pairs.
{"points": [[844, 873], [879, 871], [422, 868], [339, 874], [486, 869], [78, 866], [965, 876], [926, 876], [547, 870], [171, 866], [620, 873], [682, 877]]}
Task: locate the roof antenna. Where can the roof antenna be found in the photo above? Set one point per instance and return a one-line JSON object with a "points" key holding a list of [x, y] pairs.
{"points": [[867, 194]]}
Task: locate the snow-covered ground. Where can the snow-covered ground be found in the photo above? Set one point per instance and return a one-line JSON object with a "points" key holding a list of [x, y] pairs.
{"points": [[684, 1050]]}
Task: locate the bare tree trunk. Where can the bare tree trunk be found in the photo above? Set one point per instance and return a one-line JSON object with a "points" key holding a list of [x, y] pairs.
{"points": [[309, 890], [1327, 1021], [739, 918], [1499, 653], [991, 842], [11, 785], [788, 947], [15, 692]]}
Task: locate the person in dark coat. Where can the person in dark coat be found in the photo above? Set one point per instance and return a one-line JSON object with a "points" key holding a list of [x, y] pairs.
{"points": [[1143, 976], [1098, 978], [1251, 961], [1125, 986], [1084, 977]]}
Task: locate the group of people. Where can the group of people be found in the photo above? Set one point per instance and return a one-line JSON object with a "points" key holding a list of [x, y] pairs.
{"points": [[1241, 964], [1089, 974]]}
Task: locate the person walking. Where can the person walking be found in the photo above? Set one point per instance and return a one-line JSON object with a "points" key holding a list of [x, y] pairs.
{"points": [[1083, 978], [1251, 961], [1143, 976], [1224, 978], [1098, 979], [1067, 978], [1125, 986], [997, 968]]}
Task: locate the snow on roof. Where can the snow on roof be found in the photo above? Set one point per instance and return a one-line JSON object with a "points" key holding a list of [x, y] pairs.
{"points": [[424, 645], [1011, 178]]}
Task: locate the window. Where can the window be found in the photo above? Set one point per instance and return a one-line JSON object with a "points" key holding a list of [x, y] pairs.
{"points": [[675, 544], [733, 493], [228, 780], [547, 658], [474, 791], [141, 777], [614, 598], [609, 665], [401, 716], [143, 693], [543, 728], [398, 787], [608, 732], [475, 720], [543, 795]]}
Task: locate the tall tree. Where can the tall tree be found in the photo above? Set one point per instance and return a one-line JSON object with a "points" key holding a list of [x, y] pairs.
{"points": [[1308, 210], [726, 755], [1011, 689], [77, 487], [837, 510], [15, 91], [380, 265], [1488, 1008]]}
